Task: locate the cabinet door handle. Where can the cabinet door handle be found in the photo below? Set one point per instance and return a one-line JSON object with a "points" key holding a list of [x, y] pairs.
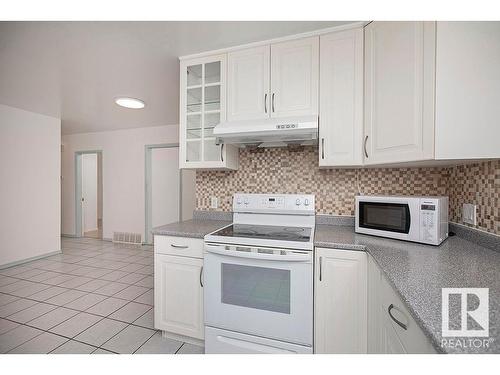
{"points": [[364, 146], [272, 100], [322, 148], [179, 246], [201, 276], [402, 325], [265, 103], [221, 153], [320, 268]]}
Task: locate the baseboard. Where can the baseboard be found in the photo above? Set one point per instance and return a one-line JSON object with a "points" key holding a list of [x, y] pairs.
{"points": [[18, 262], [69, 235]]}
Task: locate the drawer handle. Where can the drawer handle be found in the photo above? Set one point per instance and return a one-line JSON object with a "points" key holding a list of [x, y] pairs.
{"points": [[402, 325], [179, 246]]}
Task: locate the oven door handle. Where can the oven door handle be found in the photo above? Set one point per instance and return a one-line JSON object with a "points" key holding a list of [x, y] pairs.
{"points": [[259, 256]]}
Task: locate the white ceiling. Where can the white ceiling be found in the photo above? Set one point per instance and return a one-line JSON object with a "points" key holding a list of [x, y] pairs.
{"points": [[74, 70]]}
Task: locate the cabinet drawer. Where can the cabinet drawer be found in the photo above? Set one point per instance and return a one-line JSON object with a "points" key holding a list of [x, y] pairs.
{"points": [[180, 246], [411, 337]]}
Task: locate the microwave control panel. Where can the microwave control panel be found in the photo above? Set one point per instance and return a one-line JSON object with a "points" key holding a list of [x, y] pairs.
{"points": [[429, 222]]}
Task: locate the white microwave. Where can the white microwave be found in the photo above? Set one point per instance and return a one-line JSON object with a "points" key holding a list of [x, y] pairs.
{"points": [[416, 219]]}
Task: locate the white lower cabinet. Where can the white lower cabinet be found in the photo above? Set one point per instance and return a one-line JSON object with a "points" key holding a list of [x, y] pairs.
{"points": [[340, 301], [357, 311], [179, 292], [374, 328], [391, 328], [390, 342]]}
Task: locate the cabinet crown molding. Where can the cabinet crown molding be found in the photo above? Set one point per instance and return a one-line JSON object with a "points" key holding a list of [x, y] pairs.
{"points": [[353, 25]]}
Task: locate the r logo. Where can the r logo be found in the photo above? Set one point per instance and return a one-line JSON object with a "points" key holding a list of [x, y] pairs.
{"points": [[480, 314]]}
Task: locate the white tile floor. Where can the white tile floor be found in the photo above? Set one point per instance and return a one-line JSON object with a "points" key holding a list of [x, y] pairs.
{"points": [[96, 297]]}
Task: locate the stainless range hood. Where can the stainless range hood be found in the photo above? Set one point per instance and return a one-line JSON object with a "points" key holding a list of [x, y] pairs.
{"points": [[273, 132]]}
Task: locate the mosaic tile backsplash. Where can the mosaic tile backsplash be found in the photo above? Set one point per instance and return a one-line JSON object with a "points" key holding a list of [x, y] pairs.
{"points": [[282, 170]]}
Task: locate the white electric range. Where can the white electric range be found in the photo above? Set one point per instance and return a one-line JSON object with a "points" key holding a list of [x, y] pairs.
{"points": [[258, 275]]}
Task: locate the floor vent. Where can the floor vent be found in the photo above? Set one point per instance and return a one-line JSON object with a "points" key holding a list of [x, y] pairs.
{"points": [[125, 237]]}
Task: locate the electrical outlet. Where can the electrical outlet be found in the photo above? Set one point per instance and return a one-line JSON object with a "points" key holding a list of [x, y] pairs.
{"points": [[214, 202], [469, 213]]}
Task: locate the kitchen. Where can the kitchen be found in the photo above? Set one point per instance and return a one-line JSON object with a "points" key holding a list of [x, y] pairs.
{"points": [[336, 69], [332, 189]]}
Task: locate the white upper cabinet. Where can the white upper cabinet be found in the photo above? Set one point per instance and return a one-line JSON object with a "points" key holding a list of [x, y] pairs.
{"points": [[202, 107], [248, 84], [294, 77], [341, 99], [276, 80], [468, 90], [399, 92]]}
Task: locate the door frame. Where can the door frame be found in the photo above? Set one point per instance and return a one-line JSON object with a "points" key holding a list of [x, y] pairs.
{"points": [[78, 187], [147, 188]]}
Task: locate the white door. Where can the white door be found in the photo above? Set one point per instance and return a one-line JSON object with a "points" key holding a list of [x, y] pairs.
{"points": [[179, 300], [294, 77], [165, 184], [89, 193], [399, 91], [467, 90], [248, 76], [341, 99], [340, 301], [391, 344], [374, 316]]}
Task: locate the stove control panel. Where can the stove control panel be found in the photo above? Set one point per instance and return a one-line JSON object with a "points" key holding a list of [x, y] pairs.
{"points": [[278, 203]]}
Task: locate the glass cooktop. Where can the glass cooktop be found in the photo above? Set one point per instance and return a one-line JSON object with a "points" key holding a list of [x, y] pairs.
{"points": [[266, 232]]}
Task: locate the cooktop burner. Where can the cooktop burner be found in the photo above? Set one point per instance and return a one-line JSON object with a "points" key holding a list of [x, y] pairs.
{"points": [[267, 232]]}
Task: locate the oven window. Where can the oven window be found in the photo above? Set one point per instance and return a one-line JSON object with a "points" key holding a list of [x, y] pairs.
{"points": [[392, 217], [256, 287]]}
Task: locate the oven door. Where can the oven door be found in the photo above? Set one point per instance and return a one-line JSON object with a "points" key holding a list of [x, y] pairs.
{"points": [[260, 291]]}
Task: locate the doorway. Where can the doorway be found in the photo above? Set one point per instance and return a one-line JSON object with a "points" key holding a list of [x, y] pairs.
{"points": [[163, 187], [89, 194]]}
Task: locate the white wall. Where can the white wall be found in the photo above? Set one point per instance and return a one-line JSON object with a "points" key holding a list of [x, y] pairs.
{"points": [[188, 193], [89, 191], [30, 201], [123, 164]]}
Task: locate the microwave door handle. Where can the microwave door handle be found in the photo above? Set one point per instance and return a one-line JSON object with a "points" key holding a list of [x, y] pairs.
{"points": [[258, 256]]}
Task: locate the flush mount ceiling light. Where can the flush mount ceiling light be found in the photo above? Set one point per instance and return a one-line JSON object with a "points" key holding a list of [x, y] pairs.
{"points": [[130, 103]]}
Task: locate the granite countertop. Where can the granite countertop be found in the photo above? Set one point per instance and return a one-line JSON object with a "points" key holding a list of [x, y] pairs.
{"points": [[417, 272], [195, 228]]}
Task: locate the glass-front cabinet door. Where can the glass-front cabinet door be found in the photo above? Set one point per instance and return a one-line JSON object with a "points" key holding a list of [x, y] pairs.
{"points": [[203, 99]]}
